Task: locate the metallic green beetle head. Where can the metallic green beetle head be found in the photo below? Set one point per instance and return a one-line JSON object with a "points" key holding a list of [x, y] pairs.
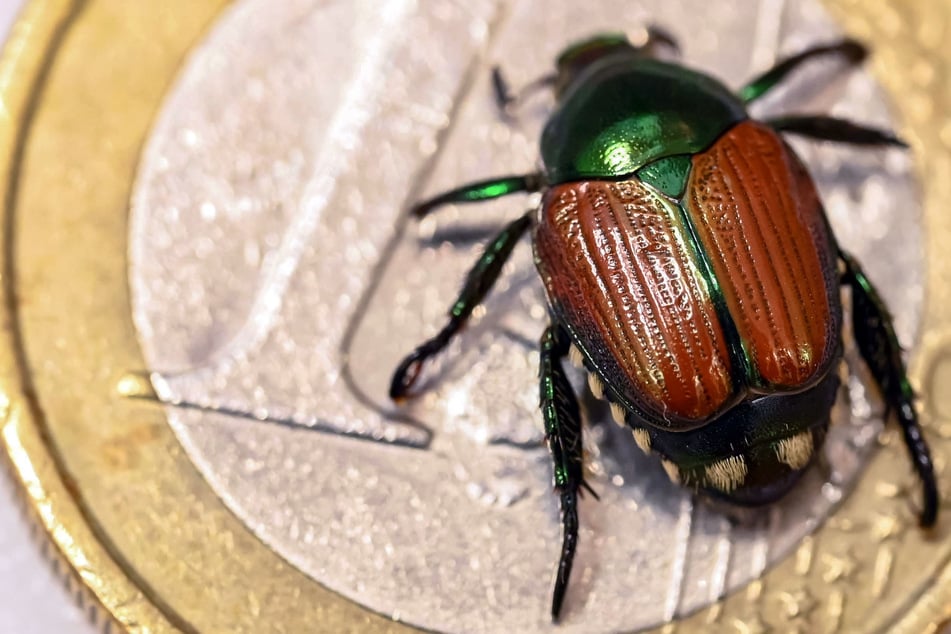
{"points": [[580, 55], [622, 107], [575, 59]]}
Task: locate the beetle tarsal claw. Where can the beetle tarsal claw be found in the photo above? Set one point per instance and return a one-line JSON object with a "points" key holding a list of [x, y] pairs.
{"points": [[672, 471], [727, 474], [575, 356], [795, 451], [596, 386], [643, 440]]}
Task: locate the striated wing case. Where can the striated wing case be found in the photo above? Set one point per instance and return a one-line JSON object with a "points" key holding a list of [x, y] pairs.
{"points": [[685, 306]]}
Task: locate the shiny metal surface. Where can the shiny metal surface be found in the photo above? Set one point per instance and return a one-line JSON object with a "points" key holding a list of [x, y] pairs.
{"points": [[276, 286]]}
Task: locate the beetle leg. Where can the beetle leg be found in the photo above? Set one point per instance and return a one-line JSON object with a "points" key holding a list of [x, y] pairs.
{"points": [[501, 91], [879, 346], [477, 285], [481, 190], [563, 431], [849, 50], [506, 101], [832, 129]]}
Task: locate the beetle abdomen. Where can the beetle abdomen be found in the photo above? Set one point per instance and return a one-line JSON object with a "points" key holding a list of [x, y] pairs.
{"points": [[622, 275], [761, 226]]}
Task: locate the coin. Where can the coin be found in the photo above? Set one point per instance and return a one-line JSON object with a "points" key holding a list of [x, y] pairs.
{"points": [[210, 279]]}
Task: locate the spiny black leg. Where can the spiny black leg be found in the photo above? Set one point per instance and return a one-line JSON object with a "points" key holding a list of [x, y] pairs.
{"points": [[481, 190], [848, 50], [478, 283], [832, 129], [563, 431], [879, 346]]}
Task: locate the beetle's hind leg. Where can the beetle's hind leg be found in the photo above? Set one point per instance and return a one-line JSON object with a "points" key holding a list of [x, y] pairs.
{"points": [[879, 346], [477, 285], [563, 430], [824, 128]]}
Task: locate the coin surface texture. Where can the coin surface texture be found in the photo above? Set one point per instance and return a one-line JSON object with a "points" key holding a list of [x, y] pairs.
{"points": [[210, 276]]}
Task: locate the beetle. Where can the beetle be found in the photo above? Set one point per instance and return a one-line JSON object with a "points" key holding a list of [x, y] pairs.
{"points": [[690, 269]]}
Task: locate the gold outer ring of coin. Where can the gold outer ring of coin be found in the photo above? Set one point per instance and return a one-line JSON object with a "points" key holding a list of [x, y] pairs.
{"points": [[150, 547]]}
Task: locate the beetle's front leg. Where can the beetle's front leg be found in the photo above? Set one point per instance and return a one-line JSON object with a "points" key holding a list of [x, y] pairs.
{"points": [[848, 50], [563, 431], [478, 283], [502, 92], [879, 346], [506, 101], [481, 191]]}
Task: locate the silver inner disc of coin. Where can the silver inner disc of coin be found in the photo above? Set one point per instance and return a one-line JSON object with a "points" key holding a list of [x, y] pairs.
{"points": [[277, 283]]}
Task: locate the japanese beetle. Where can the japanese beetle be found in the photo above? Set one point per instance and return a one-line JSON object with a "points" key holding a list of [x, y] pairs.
{"points": [[690, 268]]}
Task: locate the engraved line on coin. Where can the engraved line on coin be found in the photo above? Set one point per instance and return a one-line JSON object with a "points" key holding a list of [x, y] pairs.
{"points": [[775, 521], [721, 568], [356, 110], [835, 608], [804, 555], [760, 556], [883, 569], [679, 563], [143, 387], [413, 433], [468, 84]]}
